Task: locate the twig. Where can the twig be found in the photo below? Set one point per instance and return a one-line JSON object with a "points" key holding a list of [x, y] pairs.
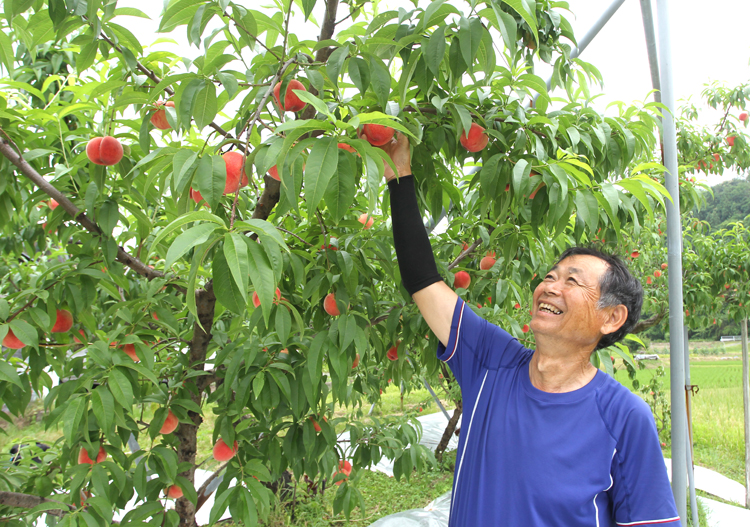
{"points": [[257, 40], [292, 234], [464, 254], [27, 501], [201, 491], [378, 319]]}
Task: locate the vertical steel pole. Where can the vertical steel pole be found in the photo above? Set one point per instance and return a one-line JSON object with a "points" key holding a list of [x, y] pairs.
{"points": [[674, 258], [689, 435], [653, 57], [746, 399]]}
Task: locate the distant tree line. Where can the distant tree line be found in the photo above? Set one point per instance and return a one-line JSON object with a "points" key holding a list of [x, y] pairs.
{"points": [[730, 202]]}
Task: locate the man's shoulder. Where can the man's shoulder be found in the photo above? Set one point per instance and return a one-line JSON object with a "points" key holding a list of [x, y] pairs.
{"points": [[618, 405]]}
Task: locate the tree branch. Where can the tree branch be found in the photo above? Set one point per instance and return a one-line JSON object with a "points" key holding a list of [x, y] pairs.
{"points": [[27, 501], [464, 254], [7, 149], [643, 325], [202, 497]]}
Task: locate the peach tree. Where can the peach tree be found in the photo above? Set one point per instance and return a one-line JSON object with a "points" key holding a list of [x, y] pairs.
{"points": [[218, 234]]}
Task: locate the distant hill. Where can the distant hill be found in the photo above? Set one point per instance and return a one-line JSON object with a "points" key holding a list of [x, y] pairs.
{"points": [[730, 203]]}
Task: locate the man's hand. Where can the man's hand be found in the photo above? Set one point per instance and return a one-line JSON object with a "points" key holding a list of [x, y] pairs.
{"points": [[399, 152]]}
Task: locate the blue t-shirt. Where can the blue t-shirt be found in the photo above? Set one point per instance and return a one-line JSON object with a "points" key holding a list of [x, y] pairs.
{"points": [[530, 458]]}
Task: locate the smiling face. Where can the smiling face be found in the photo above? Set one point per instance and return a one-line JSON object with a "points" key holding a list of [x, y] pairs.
{"points": [[564, 310]]}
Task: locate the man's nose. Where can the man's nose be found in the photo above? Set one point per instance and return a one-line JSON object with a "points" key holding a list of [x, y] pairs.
{"points": [[553, 287]]}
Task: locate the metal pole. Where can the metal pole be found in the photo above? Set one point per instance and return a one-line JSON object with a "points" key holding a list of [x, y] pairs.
{"points": [[435, 397], [653, 58], [689, 436], [746, 399], [674, 259]]}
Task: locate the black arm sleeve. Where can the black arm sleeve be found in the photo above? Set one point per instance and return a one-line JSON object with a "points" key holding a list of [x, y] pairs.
{"points": [[413, 249]]}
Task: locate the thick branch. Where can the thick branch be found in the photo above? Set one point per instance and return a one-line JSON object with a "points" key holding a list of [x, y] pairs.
{"points": [[448, 432], [27, 170], [464, 254], [27, 501], [202, 496], [643, 325]]}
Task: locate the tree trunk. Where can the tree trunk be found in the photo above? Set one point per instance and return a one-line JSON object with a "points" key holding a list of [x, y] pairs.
{"points": [[205, 301], [448, 432]]}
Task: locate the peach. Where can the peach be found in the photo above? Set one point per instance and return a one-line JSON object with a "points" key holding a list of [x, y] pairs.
{"points": [[83, 456], [105, 151], [64, 321], [329, 304], [461, 280], [378, 134], [53, 204], [292, 103], [196, 195], [525, 328], [344, 468], [236, 178], [174, 492], [170, 424], [347, 147], [533, 194], [657, 273], [366, 220], [222, 452], [730, 140], [743, 116], [316, 426], [256, 299], [356, 361], [487, 262], [129, 350], [159, 117], [83, 335], [476, 140], [392, 353], [274, 173], [12, 342], [664, 265]]}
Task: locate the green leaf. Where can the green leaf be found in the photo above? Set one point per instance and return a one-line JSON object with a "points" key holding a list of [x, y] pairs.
{"points": [[469, 35], [489, 175], [187, 240], [530, 18], [321, 164], [262, 276], [283, 324], [380, 80], [587, 209], [435, 51], [86, 57], [183, 167], [72, 418], [198, 215], [307, 7], [120, 386], [341, 188], [359, 72], [507, 26], [220, 505], [235, 251], [25, 332], [185, 99], [335, 62], [108, 216], [7, 57], [465, 117], [8, 373], [205, 106], [225, 288], [315, 356], [265, 230], [103, 406], [210, 179]]}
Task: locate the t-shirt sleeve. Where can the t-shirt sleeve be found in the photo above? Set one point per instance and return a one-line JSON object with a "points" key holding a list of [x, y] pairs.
{"points": [[641, 493], [475, 345]]}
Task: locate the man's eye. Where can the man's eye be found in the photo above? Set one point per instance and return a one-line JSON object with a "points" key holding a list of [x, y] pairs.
{"points": [[571, 279]]}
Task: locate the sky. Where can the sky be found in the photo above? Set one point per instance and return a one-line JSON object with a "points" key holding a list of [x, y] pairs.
{"points": [[710, 43]]}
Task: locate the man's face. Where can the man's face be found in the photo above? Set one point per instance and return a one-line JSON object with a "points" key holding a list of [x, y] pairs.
{"points": [[564, 304]]}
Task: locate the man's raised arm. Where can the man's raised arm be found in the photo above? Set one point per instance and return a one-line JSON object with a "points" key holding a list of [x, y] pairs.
{"points": [[419, 274]]}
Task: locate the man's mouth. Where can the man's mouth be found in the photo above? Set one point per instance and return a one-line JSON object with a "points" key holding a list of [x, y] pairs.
{"points": [[547, 308]]}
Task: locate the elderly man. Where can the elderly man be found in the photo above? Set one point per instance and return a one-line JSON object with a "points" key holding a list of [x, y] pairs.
{"points": [[547, 439]]}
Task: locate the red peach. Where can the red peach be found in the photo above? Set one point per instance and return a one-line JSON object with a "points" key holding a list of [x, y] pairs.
{"points": [[236, 178], [344, 468], [476, 140], [461, 280], [170, 424], [378, 134], [64, 321], [329, 304], [292, 103], [256, 299], [174, 492], [83, 456], [222, 452], [12, 342], [159, 117], [366, 220], [105, 151]]}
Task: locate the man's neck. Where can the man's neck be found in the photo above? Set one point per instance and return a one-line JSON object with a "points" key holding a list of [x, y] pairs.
{"points": [[560, 373]]}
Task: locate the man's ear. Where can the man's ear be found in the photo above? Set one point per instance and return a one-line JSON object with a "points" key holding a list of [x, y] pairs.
{"points": [[615, 319]]}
